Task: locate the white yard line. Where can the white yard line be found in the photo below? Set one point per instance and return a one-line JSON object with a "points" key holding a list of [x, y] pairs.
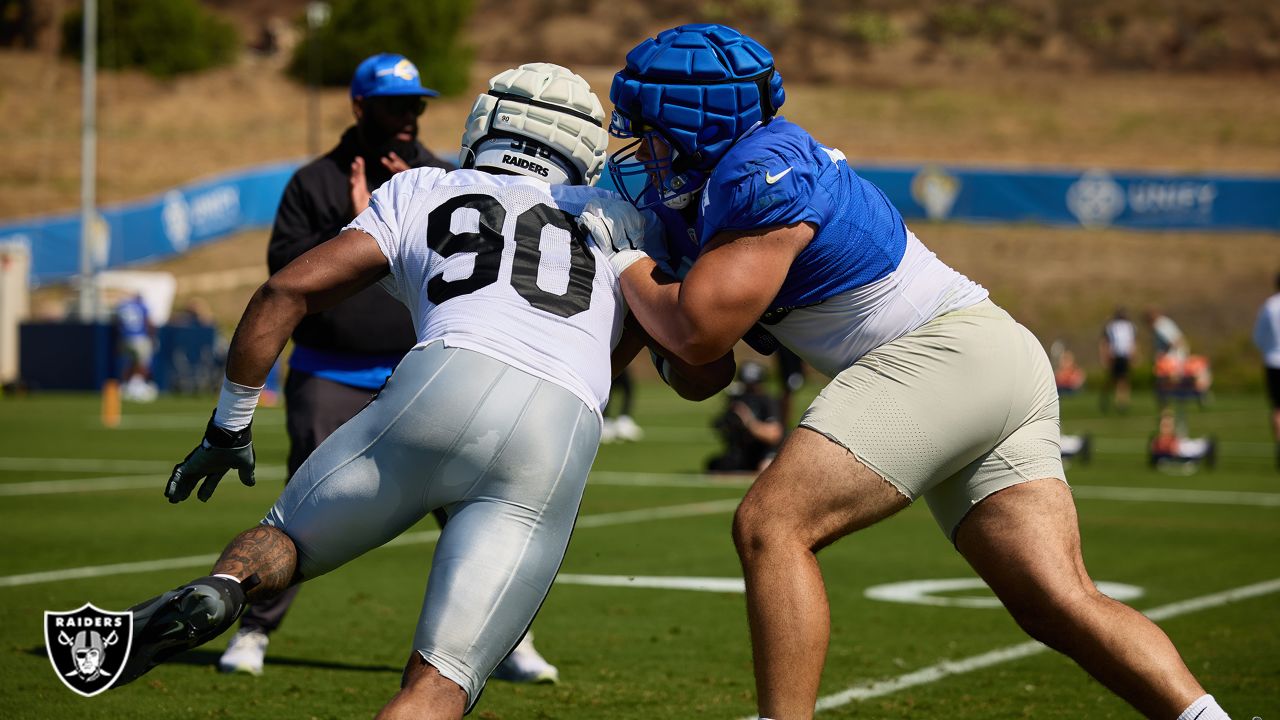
{"points": [[152, 474], [600, 520], [948, 668], [649, 479], [25, 464], [98, 484], [701, 584], [1173, 495], [154, 479]]}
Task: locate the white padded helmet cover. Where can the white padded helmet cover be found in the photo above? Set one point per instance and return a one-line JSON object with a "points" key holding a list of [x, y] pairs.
{"points": [[575, 138]]}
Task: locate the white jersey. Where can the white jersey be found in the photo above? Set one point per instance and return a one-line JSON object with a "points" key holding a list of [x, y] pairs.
{"points": [[1167, 336], [833, 334], [1121, 337], [1266, 331], [497, 264]]}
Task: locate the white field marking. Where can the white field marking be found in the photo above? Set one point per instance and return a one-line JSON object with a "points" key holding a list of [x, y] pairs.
{"points": [[105, 570], [1137, 448], [611, 478], [155, 479], [173, 423], [703, 584], [54, 487], [1133, 447], [1173, 495], [922, 592], [946, 668], [154, 476], [428, 536], [24, 464], [645, 479], [1089, 492], [679, 435]]}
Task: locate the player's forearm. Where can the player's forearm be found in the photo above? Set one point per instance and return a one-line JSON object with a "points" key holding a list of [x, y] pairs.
{"points": [[699, 382], [270, 318], [657, 302]]}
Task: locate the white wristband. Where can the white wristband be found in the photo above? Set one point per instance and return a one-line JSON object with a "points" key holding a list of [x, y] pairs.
{"points": [[235, 406], [623, 259]]}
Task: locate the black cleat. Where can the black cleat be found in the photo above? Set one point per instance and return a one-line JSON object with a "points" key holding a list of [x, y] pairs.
{"points": [[181, 619]]}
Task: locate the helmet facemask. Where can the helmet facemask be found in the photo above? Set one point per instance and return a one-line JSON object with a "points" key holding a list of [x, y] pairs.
{"points": [[659, 162], [699, 88]]}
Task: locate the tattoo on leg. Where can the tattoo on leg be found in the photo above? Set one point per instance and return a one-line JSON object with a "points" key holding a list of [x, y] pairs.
{"points": [[264, 550]]}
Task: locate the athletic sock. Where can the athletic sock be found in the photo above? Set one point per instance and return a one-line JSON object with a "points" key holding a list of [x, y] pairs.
{"points": [[1204, 708]]}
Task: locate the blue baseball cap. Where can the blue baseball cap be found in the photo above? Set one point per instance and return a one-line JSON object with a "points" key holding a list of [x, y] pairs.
{"points": [[388, 74]]}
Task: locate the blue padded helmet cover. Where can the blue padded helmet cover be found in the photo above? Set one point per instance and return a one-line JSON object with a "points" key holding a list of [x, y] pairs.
{"points": [[701, 86]]}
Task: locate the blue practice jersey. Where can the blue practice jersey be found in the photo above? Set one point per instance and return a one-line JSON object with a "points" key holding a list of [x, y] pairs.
{"points": [[779, 175], [875, 281], [133, 318]]}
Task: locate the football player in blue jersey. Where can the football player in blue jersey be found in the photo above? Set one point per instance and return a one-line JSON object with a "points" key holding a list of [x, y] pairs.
{"points": [[937, 392]]}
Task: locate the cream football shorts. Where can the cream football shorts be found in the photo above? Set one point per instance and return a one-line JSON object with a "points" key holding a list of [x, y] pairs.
{"points": [[960, 408]]}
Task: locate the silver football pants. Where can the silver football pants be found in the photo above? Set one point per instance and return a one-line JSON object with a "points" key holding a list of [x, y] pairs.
{"points": [[504, 452]]}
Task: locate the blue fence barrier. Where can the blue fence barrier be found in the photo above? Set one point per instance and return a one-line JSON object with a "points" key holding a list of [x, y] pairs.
{"points": [[155, 228], [1093, 198], [193, 214]]}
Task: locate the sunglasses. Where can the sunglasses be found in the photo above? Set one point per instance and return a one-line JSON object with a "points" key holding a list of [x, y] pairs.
{"points": [[400, 104]]}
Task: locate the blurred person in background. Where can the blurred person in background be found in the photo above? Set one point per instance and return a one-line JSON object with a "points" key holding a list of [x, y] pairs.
{"points": [[620, 425], [1116, 351], [138, 341], [1067, 373], [1177, 374], [1266, 336], [936, 391], [198, 368], [790, 380], [341, 356], [1166, 336], [750, 426]]}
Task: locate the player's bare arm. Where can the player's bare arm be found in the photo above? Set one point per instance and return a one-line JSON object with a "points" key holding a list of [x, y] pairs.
{"points": [[317, 280], [691, 382], [730, 286]]}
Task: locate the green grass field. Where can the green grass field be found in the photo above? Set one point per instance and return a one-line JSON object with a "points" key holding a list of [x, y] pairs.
{"points": [[75, 495]]}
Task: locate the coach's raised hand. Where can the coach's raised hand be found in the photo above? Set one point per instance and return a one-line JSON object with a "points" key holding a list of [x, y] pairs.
{"points": [[220, 451]]}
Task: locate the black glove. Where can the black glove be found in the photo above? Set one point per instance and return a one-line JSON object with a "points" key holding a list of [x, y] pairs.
{"points": [[220, 451]]}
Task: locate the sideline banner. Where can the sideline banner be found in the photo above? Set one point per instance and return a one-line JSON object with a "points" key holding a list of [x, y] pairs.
{"points": [[1080, 198], [158, 227], [171, 223], [1091, 198]]}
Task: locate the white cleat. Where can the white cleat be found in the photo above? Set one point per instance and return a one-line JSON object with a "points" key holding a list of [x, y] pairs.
{"points": [[526, 665], [608, 431], [245, 652], [625, 428]]}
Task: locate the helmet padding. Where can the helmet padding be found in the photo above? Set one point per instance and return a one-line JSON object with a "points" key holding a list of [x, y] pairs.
{"points": [[548, 107]]}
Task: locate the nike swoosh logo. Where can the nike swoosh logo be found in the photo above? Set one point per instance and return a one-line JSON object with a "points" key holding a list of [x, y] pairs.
{"points": [[771, 179]]}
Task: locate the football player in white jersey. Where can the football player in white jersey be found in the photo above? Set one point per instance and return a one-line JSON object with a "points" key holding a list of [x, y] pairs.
{"points": [[494, 416], [937, 393]]}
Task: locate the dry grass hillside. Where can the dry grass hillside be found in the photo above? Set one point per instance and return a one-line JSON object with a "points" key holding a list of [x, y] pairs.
{"points": [[155, 134]]}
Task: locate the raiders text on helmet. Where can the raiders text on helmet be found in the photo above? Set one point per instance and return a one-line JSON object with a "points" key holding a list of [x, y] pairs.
{"points": [[540, 120]]}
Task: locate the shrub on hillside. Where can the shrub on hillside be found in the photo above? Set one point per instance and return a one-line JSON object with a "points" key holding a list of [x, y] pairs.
{"points": [[428, 32], [162, 37]]}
